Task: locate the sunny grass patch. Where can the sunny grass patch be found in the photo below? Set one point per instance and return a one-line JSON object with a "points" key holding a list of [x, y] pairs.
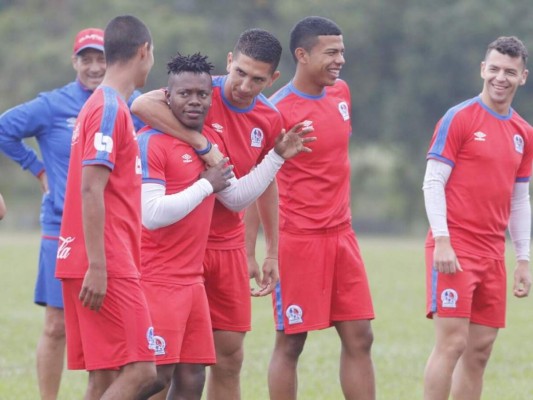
{"points": [[403, 337]]}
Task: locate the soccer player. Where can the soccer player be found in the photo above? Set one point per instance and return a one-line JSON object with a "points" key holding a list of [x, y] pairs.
{"points": [[177, 210], [317, 244], [476, 184], [246, 124], [108, 325], [50, 118]]}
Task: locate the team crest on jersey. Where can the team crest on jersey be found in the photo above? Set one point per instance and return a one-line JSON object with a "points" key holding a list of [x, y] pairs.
{"points": [[187, 158], [63, 250], [155, 343], [294, 314], [256, 137], [479, 136], [518, 143], [217, 127], [449, 298], [343, 109]]}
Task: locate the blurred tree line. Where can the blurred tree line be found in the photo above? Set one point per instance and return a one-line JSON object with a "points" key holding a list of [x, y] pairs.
{"points": [[407, 62]]}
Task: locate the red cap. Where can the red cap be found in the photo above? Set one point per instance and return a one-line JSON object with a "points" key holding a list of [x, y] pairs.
{"points": [[90, 38]]}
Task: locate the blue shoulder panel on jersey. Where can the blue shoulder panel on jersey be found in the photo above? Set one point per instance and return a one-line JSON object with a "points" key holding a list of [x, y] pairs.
{"points": [[442, 133], [108, 119], [143, 139]]}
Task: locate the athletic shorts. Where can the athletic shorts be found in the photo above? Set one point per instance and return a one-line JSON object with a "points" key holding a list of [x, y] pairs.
{"points": [[322, 281], [48, 287], [477, 293], [182, 325], [119, 333], [227, 285]]}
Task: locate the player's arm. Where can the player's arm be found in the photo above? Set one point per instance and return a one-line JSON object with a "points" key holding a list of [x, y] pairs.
{"points": [[3, 208], [159, 210], [267, 206], [251, 223], [242, 192], [435, 179], [520, 232], [23, 121], [152, 108], [94, 179]]}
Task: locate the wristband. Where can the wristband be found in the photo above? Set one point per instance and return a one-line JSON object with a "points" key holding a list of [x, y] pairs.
{"points": [[204, 151]]}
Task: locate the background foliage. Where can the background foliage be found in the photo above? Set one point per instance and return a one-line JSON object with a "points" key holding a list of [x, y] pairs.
{"points": [[407, 62]]}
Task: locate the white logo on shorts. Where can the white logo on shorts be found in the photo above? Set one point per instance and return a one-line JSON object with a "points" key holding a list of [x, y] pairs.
{"points": [[294, 314], [449, 298], [155, 343]]}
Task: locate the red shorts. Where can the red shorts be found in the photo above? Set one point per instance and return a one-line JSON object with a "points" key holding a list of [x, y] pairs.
{"points": [[478, 293], [227, 285], [322, 281], [182, 326], [118, 334]]}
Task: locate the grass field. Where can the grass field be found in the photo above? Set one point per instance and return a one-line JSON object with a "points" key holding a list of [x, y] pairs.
{"points": [[403, 337]]}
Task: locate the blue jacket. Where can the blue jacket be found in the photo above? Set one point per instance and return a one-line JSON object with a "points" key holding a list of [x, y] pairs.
{"points": [[50, 118]]}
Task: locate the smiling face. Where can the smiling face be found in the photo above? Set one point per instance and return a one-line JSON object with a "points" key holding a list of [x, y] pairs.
{"points": [[502, 75], [321, 65], [90, 67], [189, 97], [246, 79]]}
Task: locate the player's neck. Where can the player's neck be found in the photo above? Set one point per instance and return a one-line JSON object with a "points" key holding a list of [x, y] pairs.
{"points": [[120, 79], [306, 85]]}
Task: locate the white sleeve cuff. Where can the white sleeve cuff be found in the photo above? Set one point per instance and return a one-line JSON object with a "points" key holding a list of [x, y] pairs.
{"points": [[159, 210]]}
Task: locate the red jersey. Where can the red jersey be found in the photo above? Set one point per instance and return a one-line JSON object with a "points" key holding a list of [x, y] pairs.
{"points": [[174, 253], [245, 136], [314, 188], [488, 153], [104, 135]]}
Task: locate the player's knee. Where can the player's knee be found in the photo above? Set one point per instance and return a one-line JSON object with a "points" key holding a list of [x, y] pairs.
{"points": [[292, 345], [54, 329], [452, 346], [231, 361]]}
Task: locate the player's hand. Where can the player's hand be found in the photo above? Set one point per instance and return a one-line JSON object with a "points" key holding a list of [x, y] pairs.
{"points": [[94, 287], [43, 181], [254, 273], [288, 144], [270, 277], [522, 279], [213, 157], [444, 259], [219, 175]]}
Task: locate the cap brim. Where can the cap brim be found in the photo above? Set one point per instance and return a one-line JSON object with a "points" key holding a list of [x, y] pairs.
{"points": [[91, 46]]}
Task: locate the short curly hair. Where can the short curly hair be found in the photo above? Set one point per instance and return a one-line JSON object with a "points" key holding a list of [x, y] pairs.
{"points": [[509, 45], [196, 63]]}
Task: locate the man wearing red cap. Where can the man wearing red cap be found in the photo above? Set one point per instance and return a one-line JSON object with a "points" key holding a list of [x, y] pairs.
{"points": [[50, 118]]}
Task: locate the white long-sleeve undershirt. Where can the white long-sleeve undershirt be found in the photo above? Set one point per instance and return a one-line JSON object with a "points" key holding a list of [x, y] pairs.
{"points": [[159, 210], [435, 179]]}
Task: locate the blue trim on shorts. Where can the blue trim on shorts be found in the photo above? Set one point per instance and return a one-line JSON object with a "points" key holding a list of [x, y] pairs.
{"points": [[434, 281], [280, 326]]}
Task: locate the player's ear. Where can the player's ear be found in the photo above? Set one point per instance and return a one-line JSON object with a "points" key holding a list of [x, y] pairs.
{"points": [[228, 61], [275, 77], [525, 73], [74, 59], [301, 55]]}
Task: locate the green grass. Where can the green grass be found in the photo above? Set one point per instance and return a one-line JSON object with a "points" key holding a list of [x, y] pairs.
{"points": [[403, 337]]}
